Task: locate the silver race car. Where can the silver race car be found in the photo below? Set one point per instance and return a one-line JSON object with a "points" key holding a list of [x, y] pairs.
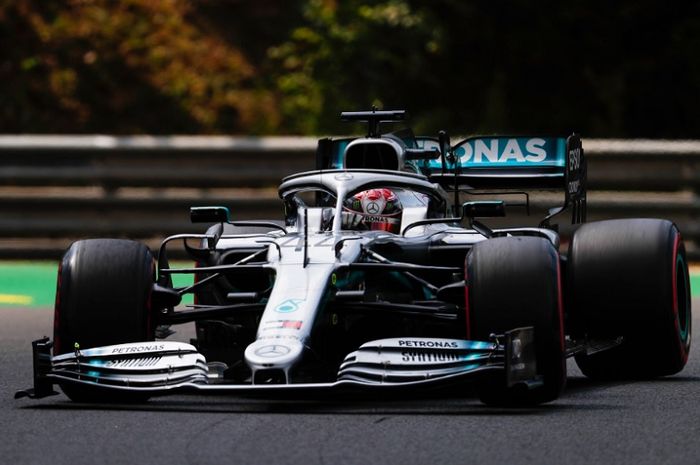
{"points": [[383, 275]]}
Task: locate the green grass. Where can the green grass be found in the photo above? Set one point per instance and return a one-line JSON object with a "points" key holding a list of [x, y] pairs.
{"points": [[695, 284], [33, 284]]}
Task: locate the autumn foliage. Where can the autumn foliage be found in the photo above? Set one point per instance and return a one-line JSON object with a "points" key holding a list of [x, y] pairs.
{"points": [[623, 69]]}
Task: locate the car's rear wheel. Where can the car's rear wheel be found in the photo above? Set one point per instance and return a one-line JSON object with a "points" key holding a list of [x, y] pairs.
{"points": [[515, 282], [103, 297], [629, 278]]}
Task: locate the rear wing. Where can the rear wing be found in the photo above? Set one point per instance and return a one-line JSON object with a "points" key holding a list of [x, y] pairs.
{"points": [[506, 162]]}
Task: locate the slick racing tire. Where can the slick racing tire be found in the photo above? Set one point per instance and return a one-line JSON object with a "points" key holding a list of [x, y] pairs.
{"points": [[103, 297], [629, 278], [514, 282]]}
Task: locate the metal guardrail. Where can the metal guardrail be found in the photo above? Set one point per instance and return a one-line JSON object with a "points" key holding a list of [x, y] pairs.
{"points": [[144, 161], [56, 189]]}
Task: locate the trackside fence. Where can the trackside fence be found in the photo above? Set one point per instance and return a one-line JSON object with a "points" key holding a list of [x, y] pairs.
{"points": [[56, 189]]}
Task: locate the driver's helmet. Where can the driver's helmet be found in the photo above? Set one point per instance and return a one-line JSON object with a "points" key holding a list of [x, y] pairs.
{"points": [[374, 209]]}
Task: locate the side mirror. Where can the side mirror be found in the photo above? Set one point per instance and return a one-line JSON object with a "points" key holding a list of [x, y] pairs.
{"points": [[210, 215], [484, 209]]}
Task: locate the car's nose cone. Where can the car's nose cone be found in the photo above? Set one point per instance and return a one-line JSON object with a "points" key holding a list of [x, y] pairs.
{"points": [[269, 353]]}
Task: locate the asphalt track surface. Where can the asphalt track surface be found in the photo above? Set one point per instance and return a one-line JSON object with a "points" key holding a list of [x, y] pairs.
{"points": [[651, 422]]}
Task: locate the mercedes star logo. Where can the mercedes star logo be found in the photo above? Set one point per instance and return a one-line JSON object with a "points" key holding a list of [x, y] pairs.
{"points": [[272, 351], [372, 208]]}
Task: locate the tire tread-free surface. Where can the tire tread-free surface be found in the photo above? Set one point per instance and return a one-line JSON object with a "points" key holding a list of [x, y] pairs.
{"points": [[103, 298], [630, 278], [514, 282]]}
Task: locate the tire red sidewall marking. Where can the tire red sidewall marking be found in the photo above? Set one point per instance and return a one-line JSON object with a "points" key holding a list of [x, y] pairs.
{"points": [[674, 291]]}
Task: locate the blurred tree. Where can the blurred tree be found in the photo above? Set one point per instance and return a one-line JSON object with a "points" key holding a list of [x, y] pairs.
{"points": [[133, 66], [624, 69], [605, 69], [353, 54]]}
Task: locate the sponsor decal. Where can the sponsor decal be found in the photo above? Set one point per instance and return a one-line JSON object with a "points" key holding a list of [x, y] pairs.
{"points": [[574, 165], [503, 151], [289, 306], [380, 219], [137, 349], [428, 344], [421, 356], [272, 351], [574, 186], [510, 151], [575, 159], [283, 324]]}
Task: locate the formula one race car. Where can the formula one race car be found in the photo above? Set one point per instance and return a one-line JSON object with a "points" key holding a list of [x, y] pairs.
{"points": [[372, 282]]}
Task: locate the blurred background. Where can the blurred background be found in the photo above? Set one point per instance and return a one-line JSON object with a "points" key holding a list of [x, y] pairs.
{"points": [[605, 69], [190, 99]]}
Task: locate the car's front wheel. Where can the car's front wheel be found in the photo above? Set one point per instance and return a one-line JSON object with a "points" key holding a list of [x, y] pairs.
{"points": [[103, 297], [514, 282]]}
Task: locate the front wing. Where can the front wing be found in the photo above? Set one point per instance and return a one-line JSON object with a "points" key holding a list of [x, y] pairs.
{"points": [[165, 367]]}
